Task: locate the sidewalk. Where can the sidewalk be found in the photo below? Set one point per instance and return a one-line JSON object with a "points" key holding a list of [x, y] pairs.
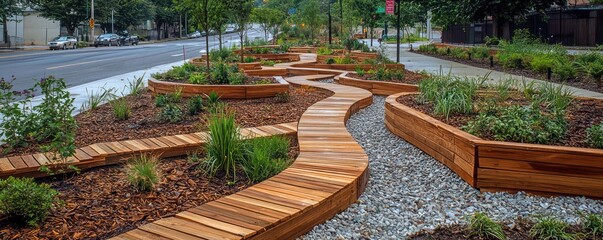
{"points": [[418, 62]]}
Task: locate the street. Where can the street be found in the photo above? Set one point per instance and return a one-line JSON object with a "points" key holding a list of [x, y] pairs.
{"points": [[85, 65]]}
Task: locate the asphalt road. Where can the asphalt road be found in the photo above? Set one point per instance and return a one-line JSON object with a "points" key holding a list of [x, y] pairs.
{"points": [[85, 65]]}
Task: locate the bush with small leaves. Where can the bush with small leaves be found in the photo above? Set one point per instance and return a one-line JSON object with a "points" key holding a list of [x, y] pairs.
{"points": [[143, 172], [236, 78], [161, 100], [171, 113], [266, 157], [194, 105], [26, 200], [550, 228], [121, 109], [330, 61], [482, 226], [249, 59], [594, 136], [197, 78]]}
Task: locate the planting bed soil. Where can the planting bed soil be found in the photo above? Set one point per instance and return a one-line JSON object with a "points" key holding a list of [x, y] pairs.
{"points": [[100, 125], [581, 114], [410, 77], [516, 231], [249, 80], [101, 203], [580, 81]]}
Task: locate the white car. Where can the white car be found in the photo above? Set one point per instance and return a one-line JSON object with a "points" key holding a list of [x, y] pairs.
{"points": [[63, 42], [196, 34]]}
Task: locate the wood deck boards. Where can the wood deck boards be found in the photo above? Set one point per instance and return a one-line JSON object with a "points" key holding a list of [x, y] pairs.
{"points": [[329, 174], [107, 153]]}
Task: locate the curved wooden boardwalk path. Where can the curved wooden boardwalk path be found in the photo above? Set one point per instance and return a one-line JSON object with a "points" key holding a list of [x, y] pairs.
{"points": [[329, 174]]}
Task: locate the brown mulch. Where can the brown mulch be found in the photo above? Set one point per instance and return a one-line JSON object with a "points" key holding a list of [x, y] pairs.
{"points": [[249, 80], [581, 80], [581, 114], [101, 203], [100, 125], [519, 230], [410, 77]]}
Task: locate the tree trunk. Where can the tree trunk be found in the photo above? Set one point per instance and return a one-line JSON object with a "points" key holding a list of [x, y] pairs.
{"points": [[371, 36], [266, 34], [207, 50], [242, 48], [5, 30], [158, 25], [220, 38]]}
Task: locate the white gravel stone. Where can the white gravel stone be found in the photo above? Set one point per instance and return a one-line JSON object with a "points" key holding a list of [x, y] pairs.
{"points": [[410, 191]]}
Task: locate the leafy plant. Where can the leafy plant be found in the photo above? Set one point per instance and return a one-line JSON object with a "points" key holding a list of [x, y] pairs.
{"points": [[550, 228], [360, 71], [236, 78], [482, 226], [593, 223], [330, 61], [449, 94], [95, 99], [595, 70], [26, 200], [283, 97], [555, 97], [564, 71], [249, 59], [161, 100], [121, 109], [324, 51], [491, 41], [267, 63], [220, 73], [224, 147], [135, 86], [176, 95], [171, 113], [480, 52], [212, 98], [266, 157], [344, 60], [194, 105], [143, 172], [594, 136], [198, 78], [541, 63]]}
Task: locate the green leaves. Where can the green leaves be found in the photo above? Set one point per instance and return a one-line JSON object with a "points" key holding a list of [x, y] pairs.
{"points": [[27, 201]]}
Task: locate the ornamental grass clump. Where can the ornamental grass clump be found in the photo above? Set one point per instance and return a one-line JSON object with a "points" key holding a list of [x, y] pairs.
{"points": [[27, 201], [143, 172], [121, 109], [265, 157], [194, 105], [593, 223], [450, 95], [224, 146], [480, 225], [550, 228]]}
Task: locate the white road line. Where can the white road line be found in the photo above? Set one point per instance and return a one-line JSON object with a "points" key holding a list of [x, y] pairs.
{"points": [[177, 55], [75, 64]]}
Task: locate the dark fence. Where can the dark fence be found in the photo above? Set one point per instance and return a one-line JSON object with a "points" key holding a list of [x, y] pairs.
{"points": [[570, 27]]}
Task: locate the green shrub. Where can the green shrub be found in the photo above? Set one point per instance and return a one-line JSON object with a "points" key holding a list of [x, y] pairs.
{"points": [[194, 105], [198, 78], [121, 109], [224, 147], [161, 100], [491, 41], [360, 71], [525, 124], [550, 228], [324, 51], [428, 48], [564, 71], [595, 70], [594, 136], [222, 55], [443, 51], [249, 59], [541, 63], [143, 172], [480, 52], [266, 157], [268, 63], [95, 99], [523, 36], [593, 223], [450, 95], [27, 201], [554, 96], [330, 61], [219, 73], [483, 227], [236, 78], [344, 60], [213, 98], [136, 85], [459, 53], [171, 113], [513, 60], [175, 96], [283, 97], [262, 81]]}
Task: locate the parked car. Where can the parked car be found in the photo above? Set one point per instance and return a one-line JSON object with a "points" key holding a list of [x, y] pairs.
{"points": [[196, 34], [63, 42], [130, 40], [108, 40]]}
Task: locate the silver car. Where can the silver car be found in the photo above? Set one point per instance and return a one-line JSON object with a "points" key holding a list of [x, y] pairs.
{"points": [[63, 42]]}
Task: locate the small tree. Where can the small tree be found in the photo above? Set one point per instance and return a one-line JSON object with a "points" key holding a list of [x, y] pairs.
{"points": [[10, 8], [219, 18], [69, 12], [202, 16], [312, 16], [240, 16]]}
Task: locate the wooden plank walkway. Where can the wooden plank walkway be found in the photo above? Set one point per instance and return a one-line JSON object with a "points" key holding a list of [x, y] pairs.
{"points": [[329, 174], [108, 153]]}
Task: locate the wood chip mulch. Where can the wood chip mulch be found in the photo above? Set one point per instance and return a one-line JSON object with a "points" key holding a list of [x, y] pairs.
{"points": [[581, 115], [410, 77], [100, 125], [101, 203]]}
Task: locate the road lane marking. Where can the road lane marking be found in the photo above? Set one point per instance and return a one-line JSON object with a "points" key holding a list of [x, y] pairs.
{"points": [[177, 55], [76, 64]]}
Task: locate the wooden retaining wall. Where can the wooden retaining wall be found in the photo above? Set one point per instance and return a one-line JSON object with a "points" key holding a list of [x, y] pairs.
{"points": [[109, 153], [346, 67], [500, 166], [376, 87], [225, 91]]}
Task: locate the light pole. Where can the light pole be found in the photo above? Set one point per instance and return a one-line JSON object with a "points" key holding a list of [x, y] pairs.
{"points": [[329, 13], [398, 32], [112, 29], [92, 19]]}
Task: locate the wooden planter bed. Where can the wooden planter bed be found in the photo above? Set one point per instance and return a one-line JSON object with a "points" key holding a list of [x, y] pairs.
{"points": [[376, 87], [356, 55], [302, 49], [499, 166], [346, 67], [250, 66], [225, 91]]}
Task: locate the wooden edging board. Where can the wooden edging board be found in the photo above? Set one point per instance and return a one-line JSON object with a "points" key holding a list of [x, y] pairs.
{"points": [[109, 153], [329, 174], [376, 87], [499, 166], [225, 91], [345, 67]]}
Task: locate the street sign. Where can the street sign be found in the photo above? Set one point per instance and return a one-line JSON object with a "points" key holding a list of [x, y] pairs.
{"points": [[389, 7], [92, 23], [380, 10]]}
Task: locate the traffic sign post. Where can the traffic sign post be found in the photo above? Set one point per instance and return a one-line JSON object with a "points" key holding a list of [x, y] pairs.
{"points": [[91, 23], [389, 7]]}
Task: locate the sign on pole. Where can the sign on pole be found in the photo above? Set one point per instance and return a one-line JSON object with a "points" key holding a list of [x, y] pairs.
{"points": [[389, 7], [91, 23]]}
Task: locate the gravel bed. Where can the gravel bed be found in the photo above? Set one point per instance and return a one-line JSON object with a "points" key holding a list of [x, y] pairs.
{"points": [[409, 191], [330, 80]]}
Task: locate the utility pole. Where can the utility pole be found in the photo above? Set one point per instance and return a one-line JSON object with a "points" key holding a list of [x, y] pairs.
{"points": [[92, 19], [112, 28], [186, 23], [341, 18], [398, 32]]}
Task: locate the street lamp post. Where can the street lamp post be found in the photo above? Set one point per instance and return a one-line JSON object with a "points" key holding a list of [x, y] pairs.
{"points": [[112, 28], [398, 32], [329, 13]]}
